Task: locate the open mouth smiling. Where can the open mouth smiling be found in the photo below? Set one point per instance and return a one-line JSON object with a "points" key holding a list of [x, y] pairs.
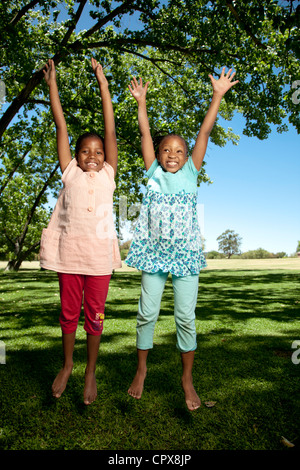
{"points": [[92, 164]]}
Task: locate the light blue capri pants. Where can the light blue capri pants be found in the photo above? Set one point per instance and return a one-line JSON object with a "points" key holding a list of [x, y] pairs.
{"points": [[185, 290]]}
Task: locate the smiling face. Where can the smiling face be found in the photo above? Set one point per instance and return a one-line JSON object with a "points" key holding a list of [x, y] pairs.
{"points": [[172, 153], [90, 155]]}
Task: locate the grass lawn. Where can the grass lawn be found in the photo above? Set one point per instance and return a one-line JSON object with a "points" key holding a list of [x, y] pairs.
{"points": [[247, 321]]}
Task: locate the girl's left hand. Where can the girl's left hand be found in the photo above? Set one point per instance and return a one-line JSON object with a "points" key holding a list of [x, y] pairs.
{"points": [[49, 72], [224, 83], [98, 71]]}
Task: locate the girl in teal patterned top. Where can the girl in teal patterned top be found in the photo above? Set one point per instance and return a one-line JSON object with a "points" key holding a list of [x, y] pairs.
{"points": [[167, 235]]}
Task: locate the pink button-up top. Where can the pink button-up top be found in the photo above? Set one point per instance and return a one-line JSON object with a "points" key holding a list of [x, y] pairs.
{"points": [[81, 237]]}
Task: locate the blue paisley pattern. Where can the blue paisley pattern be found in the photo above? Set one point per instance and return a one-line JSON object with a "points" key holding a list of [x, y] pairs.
{"points": [[167, 236]]}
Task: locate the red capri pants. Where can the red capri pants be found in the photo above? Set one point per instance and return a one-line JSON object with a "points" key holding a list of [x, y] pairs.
{"points": [[94, 291]]}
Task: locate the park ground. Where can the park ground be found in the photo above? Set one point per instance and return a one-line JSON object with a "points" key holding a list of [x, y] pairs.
{"points": [[246, 371], [272, 263]]}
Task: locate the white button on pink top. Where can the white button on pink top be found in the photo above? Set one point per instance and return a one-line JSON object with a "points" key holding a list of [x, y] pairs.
{"points": [[81, 237]]}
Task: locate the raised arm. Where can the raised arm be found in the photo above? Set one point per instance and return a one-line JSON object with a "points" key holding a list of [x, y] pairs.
{"points": [[62, 138], [110, 138], [220, 87], [139, 92]]}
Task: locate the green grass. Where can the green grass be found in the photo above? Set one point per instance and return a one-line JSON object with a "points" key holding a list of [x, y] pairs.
{"points": [[246, 323]]}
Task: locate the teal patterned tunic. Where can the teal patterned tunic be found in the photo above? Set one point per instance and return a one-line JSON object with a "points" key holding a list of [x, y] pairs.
{"points": [[167, 235]]}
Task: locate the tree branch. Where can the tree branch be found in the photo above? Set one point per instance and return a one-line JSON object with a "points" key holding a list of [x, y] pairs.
{"points": [[154, 62], [120, 9], [244, 25], [22, 236], [9, 177], [36, 78], [23, 12], [74, 23], [8, 239], [24, 254], [78, 46], [64, 49]]}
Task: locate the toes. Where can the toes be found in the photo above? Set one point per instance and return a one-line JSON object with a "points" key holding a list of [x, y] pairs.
{"points": [[193, 405]]}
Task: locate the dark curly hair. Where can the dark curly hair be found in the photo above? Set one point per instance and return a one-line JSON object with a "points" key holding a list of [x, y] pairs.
{"points": [[84, 136], [157, 140]]}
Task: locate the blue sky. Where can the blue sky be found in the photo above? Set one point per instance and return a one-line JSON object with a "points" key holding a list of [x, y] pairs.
{"points": [[255, 191]]}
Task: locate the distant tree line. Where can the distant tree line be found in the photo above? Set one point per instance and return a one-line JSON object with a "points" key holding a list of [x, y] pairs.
{"points": [[260, 253], [229, 247]]}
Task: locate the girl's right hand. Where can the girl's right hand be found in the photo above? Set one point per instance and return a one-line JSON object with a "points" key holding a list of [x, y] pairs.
{"points": [[49, 72], [98, 71], [137, 89]]}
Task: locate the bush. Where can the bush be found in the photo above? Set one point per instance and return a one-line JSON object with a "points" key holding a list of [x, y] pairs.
{"points": [[124, 248], [214, 255], [260, 253]]}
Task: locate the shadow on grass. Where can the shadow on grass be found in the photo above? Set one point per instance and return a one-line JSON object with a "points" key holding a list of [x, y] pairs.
{"points": [[30, 299], [252, 386], [246, 369], [246, 293]]}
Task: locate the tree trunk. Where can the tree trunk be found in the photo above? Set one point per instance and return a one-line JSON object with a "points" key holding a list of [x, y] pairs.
{"points": [[20, 255], [13, 265]]}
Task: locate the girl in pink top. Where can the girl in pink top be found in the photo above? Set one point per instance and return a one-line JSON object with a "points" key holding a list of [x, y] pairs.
{"points": [[80, 242]]}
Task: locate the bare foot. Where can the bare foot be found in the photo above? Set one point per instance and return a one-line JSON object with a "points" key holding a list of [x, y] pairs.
{"points": [[61, 380], [191, 398], [137, 386], [90, 388]]}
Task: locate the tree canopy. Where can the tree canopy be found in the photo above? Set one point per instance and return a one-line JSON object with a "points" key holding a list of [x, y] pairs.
{"points": [[229, 243], [174, 44]]}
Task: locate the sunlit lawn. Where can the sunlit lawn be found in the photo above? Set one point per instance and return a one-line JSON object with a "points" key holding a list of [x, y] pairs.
{"points": [[247, 321]]}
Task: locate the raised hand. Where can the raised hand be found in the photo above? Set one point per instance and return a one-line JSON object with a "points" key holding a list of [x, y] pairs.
{"points": [[137, 89], [98, 71], [49, 72], [224, 83]]}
